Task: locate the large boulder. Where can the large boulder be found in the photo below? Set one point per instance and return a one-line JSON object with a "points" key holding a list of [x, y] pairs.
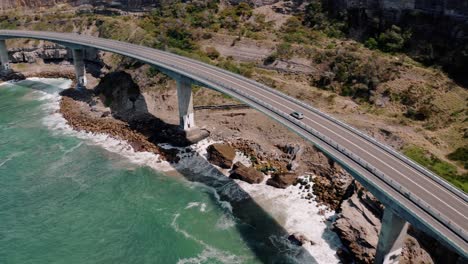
{"points": [[247, 174], [358, 228], [221, 155], [414, 253], [282, 180]]}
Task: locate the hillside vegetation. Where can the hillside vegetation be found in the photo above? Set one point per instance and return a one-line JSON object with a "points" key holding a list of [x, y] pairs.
{"points": [[370, 85]]}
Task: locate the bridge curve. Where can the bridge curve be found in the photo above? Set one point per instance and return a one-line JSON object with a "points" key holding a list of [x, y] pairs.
{"points": [[410, 191]]}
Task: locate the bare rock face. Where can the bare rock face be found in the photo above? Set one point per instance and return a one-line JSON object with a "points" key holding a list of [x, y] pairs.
{"points": [[119, 92], [221, 155], [9, 76], [332, 184], [282, 180], [413, 253], [247, 174], [358, 228], [48, 53]]}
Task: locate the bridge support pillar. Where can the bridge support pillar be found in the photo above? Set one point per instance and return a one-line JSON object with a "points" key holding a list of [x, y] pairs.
{"points": [[80, 71], [185, 98], [391, 238], [5, 62]]}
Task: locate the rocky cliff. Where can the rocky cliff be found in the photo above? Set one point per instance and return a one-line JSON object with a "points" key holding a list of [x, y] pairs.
{"points": [[439, 28], [123, 4]]}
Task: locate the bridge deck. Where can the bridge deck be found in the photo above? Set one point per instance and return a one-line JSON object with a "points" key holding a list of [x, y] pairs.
{"points": [[426, 202]]}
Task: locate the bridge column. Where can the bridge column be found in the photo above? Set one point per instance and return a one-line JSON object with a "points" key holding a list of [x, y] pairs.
{"points": [[185, 98], [5, 62], [391, 238], [80, 71]]}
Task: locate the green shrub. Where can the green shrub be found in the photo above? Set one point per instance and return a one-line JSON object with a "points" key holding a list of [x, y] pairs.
{"points": [[245, 69], [371, 43], [393, 39], [152, 71], [284, 50], [440, 167], [460, 154]]}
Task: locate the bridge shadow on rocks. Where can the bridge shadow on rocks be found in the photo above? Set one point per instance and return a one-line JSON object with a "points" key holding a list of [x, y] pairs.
{"points": [[265, 237]]}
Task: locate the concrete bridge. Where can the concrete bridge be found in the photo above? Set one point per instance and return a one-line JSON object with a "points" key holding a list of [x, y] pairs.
{"points": [[410, 193]]}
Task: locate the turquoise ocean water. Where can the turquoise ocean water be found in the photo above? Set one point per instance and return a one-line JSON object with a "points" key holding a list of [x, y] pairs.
{"points": [[65, 200]]}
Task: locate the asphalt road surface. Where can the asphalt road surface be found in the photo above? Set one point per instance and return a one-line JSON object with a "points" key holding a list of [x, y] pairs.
{"points": [[424, 201]]}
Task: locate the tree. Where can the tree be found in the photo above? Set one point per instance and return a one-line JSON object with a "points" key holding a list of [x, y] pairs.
{"points": [[393, 39]]}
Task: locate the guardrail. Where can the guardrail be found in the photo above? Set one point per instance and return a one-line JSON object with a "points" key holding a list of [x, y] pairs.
{"points": [[364, 164], [220, 86], [364, 136], [435, 213], [231, 106]]}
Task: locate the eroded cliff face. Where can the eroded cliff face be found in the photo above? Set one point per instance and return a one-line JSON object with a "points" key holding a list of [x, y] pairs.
{"points": [[439, 28], [124, 4], [7, 4]]}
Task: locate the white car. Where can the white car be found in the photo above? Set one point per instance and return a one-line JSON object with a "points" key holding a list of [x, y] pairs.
{"points": [[297, 115]]}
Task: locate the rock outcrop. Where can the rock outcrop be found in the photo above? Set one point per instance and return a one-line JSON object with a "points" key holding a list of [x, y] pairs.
{"points": [[438, 28], [247, 174], [74, 107], [122, 4], [331, 184], [48, 53], [282, 179], [119, 92], [413, 253], [221, 155], [358, 227], [11, 76]]}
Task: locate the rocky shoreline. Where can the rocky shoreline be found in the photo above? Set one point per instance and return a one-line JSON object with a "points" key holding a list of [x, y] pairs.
{"points": [[359, 213]]}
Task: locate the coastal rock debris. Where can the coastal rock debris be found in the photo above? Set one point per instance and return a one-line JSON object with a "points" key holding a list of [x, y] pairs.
{"points": [[247, 174], [221, 155]]}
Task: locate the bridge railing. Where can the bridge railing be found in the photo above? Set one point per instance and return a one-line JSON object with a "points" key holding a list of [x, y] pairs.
{"points": [[434, 212], [215, 84], [350, 128], [388, 180]]}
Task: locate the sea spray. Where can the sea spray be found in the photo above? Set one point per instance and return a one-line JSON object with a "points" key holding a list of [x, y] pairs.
{"points": [[285, 205], [97, 206]]}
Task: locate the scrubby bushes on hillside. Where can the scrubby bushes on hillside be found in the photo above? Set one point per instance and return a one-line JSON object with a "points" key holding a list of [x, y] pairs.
{"points": [[352, 74], [440, 167], [392, 40], [460, 154]]}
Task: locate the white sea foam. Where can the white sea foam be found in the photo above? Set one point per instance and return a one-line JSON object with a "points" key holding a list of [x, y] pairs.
{"points": [[197, 204], [57, 123], [224, 204], [295, 214], [292, 211], [226, 221], [11, 157], [209, 254]]}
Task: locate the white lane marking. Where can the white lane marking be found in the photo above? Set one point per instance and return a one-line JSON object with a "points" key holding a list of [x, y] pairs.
{"points": [[343, 138], [149, 52], [357, 137]]}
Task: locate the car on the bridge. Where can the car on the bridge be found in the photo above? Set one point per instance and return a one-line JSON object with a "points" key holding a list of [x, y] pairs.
{"points": [[297, 115]]}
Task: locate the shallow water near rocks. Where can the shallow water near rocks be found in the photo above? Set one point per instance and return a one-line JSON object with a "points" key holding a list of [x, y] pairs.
{"points": [[64, 198]]}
